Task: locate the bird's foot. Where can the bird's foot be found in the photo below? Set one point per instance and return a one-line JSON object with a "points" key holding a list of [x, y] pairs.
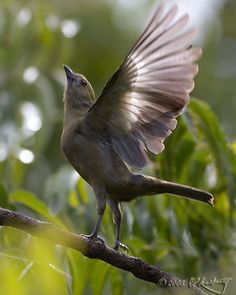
{"points": [[95, 237], [119, 245]]}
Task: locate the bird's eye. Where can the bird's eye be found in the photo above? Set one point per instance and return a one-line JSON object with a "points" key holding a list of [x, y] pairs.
{"points": [[83, 82]]}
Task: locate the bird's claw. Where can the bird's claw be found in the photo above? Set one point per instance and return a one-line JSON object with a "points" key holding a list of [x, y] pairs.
{"points": [[95, 237], [120, 245]]}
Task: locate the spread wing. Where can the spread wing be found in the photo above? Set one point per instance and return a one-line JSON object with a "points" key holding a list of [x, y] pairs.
{"points": [[139, 104]]}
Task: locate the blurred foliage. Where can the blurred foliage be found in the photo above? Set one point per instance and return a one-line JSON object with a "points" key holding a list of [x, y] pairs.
{"points": [[180, 236]]}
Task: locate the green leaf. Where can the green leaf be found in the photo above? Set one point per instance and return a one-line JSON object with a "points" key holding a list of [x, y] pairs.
{"points": [[183, 152], [207, 128], [3, 195], [4, 198], [117, 284], [100, 272], [73, 200], [82, 190], [78, 271], [162, 253], [32, 202]]}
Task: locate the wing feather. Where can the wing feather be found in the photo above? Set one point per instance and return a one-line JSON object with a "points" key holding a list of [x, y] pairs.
{"points": [[137, 108]]}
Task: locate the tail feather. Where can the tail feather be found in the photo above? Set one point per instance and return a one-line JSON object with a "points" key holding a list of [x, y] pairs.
{"points": [[187, 192], [145, 185]]}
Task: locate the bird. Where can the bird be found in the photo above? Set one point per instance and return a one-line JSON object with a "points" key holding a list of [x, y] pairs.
{"points": [[106, 138]]}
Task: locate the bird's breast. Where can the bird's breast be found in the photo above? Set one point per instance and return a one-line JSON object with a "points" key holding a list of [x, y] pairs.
{"points": [[94, 160]]}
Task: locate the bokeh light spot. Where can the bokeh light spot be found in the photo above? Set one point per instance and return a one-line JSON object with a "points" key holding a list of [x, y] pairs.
{"points": [[30, 75], [70, 28], [26, 156], [24, 16], [31, 117]]}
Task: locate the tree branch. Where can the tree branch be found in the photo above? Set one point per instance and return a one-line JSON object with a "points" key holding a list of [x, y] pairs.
{"points": [[92, 249]]}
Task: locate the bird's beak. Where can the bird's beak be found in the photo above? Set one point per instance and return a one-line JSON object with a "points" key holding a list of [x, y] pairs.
{"points": [[69, 73]]}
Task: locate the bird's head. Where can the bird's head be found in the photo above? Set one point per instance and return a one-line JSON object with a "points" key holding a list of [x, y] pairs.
{"points": [[79, 93]]}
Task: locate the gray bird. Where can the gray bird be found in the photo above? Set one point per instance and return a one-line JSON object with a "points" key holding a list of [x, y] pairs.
{"points": [[103, 138]]}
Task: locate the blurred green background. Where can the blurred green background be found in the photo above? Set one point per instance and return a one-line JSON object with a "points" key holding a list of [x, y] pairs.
{"points": [[186, 238]]}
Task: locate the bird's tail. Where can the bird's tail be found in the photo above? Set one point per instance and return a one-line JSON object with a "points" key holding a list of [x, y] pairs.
{"points": [[145, 185]]}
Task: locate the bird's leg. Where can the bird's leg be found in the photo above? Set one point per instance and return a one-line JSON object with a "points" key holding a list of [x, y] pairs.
{"points": [[115, 208], [101, 206], [94, 233]]}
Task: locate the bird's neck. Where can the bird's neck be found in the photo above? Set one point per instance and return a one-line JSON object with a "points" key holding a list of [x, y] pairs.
{"points": [[73, 115]]}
